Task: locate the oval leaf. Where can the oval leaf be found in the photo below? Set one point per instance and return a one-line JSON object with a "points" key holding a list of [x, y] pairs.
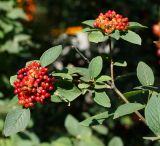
{"points": [[62, 141], [63, 75], [145, 74], [127, 108], [95, 66], [16, 121], [83, 86], [50, 55], [103, 78], [152, 113], [115, 35], [12, 79], [74, 128], [68, 91], [96, 37], [132, 37], [136, 25], [95, 120], [115, 141], [55, 98], [102, 99], [89, 22]]}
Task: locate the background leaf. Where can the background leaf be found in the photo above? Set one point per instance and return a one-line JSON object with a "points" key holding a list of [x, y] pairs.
{"points": [[95, 120], [116, 141], [63, 141], [16, 121], [74, 128], [50, 55], [12, 79]]}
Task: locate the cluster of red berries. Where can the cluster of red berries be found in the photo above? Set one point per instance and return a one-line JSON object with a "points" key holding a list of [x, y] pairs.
{"points": [[111, 21], [33, 84]]}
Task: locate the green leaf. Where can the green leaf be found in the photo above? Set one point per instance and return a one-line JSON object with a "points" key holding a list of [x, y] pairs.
{"points": [[16, 121], [55, 98], [74, 128], [115, 141], [90, 141], [100, 129], [62, 141], [68, 91], [87, 29], [152, 138], [131, 37], [63, 75], [6, 5], [103, 78], [83, 86], [121, 64], [145, 74], [127, 108], [95, 67], [115, 35], [2, 35], [89, 22], [152, 113], [95, 120], [13, 101], [12, 79], [96, 36], [136, 25], [50, 55], [6, 27], [102, 99], [45, 144], [104, 86], [78, 70], [16, 13], [132, 93]]}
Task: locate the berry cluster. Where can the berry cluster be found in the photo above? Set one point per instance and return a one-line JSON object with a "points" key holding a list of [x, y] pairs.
{"points": [[33, 84], [111, 21]]}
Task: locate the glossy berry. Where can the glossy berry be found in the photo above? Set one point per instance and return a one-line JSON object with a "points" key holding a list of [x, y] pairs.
{"points": [[156, 29], [33, 84], [111, 21]]}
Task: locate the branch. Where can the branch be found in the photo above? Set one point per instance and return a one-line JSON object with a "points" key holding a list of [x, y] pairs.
{"points": [[117, 91], [78, 51]]}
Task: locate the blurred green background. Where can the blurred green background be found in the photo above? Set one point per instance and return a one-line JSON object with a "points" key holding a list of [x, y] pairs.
{"points": [[28, 28]]}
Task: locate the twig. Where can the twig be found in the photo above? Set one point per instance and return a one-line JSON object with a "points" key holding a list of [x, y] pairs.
{"points": [[117, 91], [78, 51]]}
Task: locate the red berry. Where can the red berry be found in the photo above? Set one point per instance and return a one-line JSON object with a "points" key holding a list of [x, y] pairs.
{"points": [[33, 84], [50, 88], [111, 21]]}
